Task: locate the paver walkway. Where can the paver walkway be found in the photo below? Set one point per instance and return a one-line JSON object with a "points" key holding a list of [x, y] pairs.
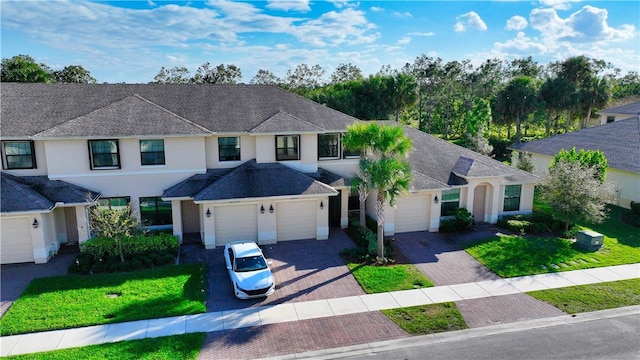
{"points": [[286, 316]]}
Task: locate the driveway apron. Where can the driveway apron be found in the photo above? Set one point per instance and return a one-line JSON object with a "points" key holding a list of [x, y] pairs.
{"points": [[442, 259]]}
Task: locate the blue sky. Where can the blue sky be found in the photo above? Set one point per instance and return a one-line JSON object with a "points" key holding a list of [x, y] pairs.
{"points": [[128, 41]]}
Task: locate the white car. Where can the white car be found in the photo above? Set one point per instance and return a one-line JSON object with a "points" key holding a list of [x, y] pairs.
{"points": [[248, 269]]}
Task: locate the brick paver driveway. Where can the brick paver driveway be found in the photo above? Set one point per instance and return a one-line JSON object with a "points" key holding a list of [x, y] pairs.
{"points": [[16, 277], [304, 270], [442, 259]]}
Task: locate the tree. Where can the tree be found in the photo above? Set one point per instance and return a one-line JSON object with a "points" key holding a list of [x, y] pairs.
{"points": [[574, 193], [402, 88], [24, 69], [477, 121], [593, 94], [586, 158], [175, 75], [74, 74], [382, 167], [113, 223], [345, 73], [304, 78], [265, 77], [524, 161], [521, 96], [221, 74]]}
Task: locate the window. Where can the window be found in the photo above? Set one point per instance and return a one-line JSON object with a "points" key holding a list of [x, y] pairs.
{"points": [[288, 147], [155, 211], [611, 119], [19, 155], [152, 152], [450, 202], [512, 197], [104, 154], [114, 202], [228, 148], [328, 146]]}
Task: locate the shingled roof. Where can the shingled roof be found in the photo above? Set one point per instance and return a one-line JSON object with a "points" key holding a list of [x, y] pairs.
{"points": [[438, 164], [38, 193], [249, 180], [630, 109], [30, 109], [619, 141]]}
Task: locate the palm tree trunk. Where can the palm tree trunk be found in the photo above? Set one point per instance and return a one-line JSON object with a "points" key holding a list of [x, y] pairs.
{"points": [[518, 129], [547, 129], [380, 214]]}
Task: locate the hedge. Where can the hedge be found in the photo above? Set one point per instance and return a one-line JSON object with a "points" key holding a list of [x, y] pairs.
{"points": [[102, 247]]}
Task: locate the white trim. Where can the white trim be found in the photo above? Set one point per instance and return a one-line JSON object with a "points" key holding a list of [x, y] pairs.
{"points": [[264, 199], [128, 173]]}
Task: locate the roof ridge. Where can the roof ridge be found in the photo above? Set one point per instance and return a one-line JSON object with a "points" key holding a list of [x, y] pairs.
{"points": [[167, 111]]}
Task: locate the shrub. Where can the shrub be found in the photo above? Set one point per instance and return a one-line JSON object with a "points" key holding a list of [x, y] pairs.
{"points": [[462, 221], [101, 247], [500, 151], [635, 207]]}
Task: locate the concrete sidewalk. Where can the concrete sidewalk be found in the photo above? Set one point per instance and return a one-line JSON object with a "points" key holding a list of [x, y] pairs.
{"points": [[289, 312]]}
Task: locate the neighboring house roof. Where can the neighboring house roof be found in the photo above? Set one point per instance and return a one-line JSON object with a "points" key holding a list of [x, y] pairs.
{"points": [[38, 193], [131, 116], [630, 109], [30, 109], [437, 164], [248, 180], [619, 141]]}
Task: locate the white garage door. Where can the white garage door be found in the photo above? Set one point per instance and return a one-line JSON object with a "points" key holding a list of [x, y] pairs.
{"points": [[412, 213], [236, 222], [296, 220], [16, 240]]}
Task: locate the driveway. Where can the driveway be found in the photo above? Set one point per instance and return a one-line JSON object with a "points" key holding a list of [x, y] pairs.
{"points": [[16, 277], [304, 270]]}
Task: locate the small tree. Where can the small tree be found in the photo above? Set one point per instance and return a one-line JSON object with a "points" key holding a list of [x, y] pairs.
{"points": [[113, 223], [523, 161], [476, 123], [575, 193], [587, 158]]}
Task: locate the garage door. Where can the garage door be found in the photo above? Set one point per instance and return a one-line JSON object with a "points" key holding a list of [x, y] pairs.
{"points": [[296, 220], [412, 213], [16, 240], [237, 222]]}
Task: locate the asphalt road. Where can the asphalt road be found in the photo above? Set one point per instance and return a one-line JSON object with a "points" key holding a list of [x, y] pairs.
{"points": [[612, 334]]}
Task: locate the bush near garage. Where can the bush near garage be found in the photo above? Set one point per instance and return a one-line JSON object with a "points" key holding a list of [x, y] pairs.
{"points": [[99, 255], [462, 221], [366, 242]]}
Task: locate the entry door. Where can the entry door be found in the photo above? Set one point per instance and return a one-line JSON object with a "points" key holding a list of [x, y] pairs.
{"points": [[335, 209], [190, 217], [71, 224], [479, 203]]}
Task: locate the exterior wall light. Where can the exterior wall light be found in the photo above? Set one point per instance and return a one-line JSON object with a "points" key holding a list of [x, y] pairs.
{"points": [[321, 205], [436, 200], [208, 213], [271, 209], [261, 209], [35, 223]]}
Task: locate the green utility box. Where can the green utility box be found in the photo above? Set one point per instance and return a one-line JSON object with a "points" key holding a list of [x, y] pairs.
{"points": [[589, 240]]}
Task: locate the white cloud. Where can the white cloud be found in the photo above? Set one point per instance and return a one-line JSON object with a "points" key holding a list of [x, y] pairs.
{"points": [[344, 3], [287, 5], [404, 40], [588, 24], [421, 34], [151, 3], [402, 14], [558, 4], [470, 20], [376, 9], [334, 28], [516, 22]]}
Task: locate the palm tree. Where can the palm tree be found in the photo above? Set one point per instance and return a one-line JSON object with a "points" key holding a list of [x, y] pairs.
{"points": [[382, 167]]}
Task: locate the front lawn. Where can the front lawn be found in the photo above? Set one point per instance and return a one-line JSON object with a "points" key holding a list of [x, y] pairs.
{"points": [[428, 319], [513, 255], [185, 346], [377, 279], [73, 301], [592, 297]]}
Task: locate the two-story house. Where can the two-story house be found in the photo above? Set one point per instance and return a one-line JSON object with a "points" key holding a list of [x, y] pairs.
{"points": [[221, 162]]}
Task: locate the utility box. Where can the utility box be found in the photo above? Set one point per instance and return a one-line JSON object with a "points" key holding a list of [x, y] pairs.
{"points": [[589, 239]]}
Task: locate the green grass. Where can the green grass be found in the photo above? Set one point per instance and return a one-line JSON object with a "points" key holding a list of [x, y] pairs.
{"points": [[72, 301], [427, 319], [185, 346], [377, 279], [510, 256], [584, 298]]}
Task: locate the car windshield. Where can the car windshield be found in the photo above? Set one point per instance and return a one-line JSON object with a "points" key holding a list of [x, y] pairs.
{"points": [[250, 263]]}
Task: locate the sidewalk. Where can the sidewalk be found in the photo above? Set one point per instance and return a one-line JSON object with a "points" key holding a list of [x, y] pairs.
{"points": [[274, 314]]}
